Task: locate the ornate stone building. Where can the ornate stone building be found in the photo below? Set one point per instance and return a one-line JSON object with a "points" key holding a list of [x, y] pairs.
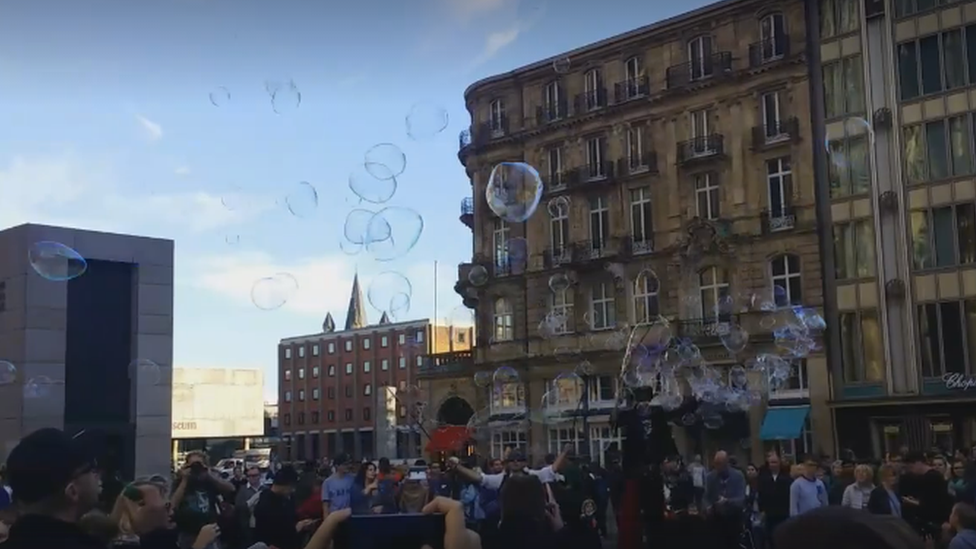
{"points": [[683, 147]]}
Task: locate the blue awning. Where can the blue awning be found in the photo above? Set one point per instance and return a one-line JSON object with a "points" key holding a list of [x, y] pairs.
{"points": [[784, 423]]}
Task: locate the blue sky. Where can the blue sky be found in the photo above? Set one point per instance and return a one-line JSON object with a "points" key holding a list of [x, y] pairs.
{"points": [[106, 124]]}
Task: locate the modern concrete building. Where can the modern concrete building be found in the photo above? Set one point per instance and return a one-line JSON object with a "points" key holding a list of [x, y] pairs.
{"points": [[684, 147], [73, 344]]}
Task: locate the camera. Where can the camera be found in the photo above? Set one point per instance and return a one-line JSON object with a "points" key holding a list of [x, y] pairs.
{"points": [[198, 469]]}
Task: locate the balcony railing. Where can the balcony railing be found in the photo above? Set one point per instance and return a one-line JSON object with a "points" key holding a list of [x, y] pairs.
{"points": [[703, 68], [769, 50], [644, 162], [590, 100], [639, 246], [556, 257], [778, 219], [632, 88], [775, 131], [446, 363], [467, 206], [554, 112], [597, 171], [556, 181], [707, 327], [464, 139], [588, 250], [704, 146]]}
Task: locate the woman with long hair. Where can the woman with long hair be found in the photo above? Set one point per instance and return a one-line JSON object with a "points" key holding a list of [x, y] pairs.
{"points": [[370, 494], [530, 517]]}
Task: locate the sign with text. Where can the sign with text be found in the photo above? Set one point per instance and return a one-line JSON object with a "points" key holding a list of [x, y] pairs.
{"points": [[959, 382], [211, 403]]}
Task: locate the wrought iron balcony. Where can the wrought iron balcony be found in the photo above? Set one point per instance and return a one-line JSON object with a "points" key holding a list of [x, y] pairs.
{"points": [[645, 162], [464, 139], [778, 219], [451, 363], [689, 72], [588, 250], [467, 212], [775, 132], [590, 100], [770, 50], [597, 171], [634, 246], [554, 112], [701, 147], [707, 327], [632, 88], [557, 181], [557, 257]]}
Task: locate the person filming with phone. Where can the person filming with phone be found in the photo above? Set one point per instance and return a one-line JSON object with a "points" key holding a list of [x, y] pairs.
{"points": [[196, 498]]}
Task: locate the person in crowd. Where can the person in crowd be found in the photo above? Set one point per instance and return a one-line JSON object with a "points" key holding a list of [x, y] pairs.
{"points": [[337, 489], [237, 479], [774, 495], [841, 476], [725, 492], [311, 507], [470, 498], [845, 528], [196, 499], [752, 516], [885, 499], [961, 528], [100, 526], [697, 471], [528, 518], [6, 495], [925, 500], [386, 472], [807, 492], [54, 480], [308, 479], [275, 518], [143, 517], [244, 502], [958, 479], [516, 464], [442, 483], [8, 517], [796, 470], [366, 497], [858, 493], [940, 465]]}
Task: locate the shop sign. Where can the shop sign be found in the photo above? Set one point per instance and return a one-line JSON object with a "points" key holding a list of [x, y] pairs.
{"points": [[960, 382]]}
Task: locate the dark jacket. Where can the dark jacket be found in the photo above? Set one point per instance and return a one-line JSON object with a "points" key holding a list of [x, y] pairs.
{"points": [[774, 495], [835, 493], [42, 532], [878, 502]]}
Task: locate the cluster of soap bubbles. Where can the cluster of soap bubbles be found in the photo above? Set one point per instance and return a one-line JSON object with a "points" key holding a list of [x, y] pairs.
{"points": [[284, 96], [141, 371]]}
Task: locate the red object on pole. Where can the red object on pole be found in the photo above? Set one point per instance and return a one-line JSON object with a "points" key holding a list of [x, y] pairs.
{"points": [[630, 533]]}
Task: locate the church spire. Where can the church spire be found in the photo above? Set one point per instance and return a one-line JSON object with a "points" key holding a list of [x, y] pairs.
{"points": [[384, 319], [356, 315], [328, 326]]}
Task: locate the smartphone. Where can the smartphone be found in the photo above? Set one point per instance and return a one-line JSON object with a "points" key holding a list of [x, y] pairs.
{"points": [[406, 531]]}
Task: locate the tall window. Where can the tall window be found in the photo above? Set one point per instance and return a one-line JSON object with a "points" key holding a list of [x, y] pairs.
{"points": [[943, 237], [706, 196], [634, 71], [854, 249], [503, 440], [849, 171], [787, 280], [499, 243], [843, 87], [508, 397], [496, 115], [559, 226], [594, 158], [772, 119], [593, 89], [796, 386], [700, 56], [636, 157], [504, 320], [772, 31], [713, 286], [862, 353], [779, 183], [701, 129], [641, 221], [932, 64], [646, 298], [603, 311], [947, 333], [561, 303], [555, 167], [599, 222], [561, 437], [564, 393], [553, 94], [838, 17], [939, 149]]}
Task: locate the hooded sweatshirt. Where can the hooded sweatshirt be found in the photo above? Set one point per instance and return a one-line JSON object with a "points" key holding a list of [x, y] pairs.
{"points": [[964, 539]]}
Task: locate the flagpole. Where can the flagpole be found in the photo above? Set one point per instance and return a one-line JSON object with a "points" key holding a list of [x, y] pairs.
{"points": [[433, 338]]}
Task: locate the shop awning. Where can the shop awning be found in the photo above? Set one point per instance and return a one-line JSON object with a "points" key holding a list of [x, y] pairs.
{"points": [[448, 438], [784, 423]]}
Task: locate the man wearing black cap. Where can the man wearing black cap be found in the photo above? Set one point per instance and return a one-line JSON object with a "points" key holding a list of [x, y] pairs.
{"points": [[275, 517], [54, 478]]}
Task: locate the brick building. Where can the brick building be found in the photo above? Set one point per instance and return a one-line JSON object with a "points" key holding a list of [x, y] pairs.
{"points": [[330, 383]]}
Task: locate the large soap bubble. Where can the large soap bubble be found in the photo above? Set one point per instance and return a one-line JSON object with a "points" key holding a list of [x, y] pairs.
{"points": [[514, 191], [55, 261]]}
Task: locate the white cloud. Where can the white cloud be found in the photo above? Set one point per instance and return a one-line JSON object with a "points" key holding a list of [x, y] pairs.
{"points": [[182, 171], [466, 10], [496, 42], [153, 131]]}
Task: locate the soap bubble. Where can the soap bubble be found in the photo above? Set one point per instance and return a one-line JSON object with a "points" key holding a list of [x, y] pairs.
{"points": [[302, 200], [514, 191], [145, 371], [220, 96], [272, 292], [385, 161], [504, 375], [478, 275], [393, 232], [390, 292], [55, 261], [8, 373], [425, 120]]}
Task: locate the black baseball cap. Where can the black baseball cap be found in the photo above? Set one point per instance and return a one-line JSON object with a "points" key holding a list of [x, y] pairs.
{"points": [[286, 476], [46, 461]]}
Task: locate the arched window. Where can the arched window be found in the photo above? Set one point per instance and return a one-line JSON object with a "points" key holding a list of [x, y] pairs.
{"points": [[713, 285], [772, 31], [700, 56], [504, 320], [787, 281]]}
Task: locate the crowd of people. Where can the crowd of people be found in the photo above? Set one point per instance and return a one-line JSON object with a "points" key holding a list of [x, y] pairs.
{"points": [[51, 493]]}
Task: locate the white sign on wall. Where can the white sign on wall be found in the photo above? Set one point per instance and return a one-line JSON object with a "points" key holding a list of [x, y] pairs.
{"points": [[209, 403]]}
